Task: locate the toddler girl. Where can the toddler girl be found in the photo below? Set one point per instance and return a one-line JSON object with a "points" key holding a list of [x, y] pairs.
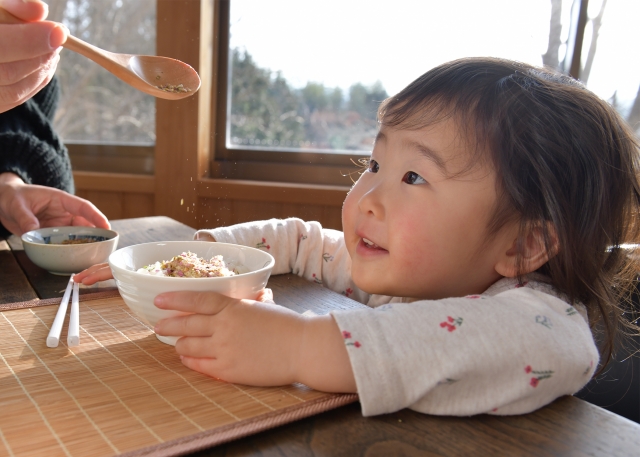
{"points": [[485, 235]]}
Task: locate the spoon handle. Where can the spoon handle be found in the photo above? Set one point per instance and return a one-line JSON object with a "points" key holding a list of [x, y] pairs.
{"points": [[179, 80], [100, 56], [109, 60]]}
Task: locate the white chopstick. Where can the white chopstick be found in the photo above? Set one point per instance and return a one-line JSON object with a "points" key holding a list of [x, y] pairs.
{"points": [[54, 334], [73, 333]]}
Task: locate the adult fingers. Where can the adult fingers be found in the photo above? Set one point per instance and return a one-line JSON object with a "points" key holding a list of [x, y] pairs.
{"points": [[79, 221], [14, 72], [16, 94], [193, 302], [25, 41], [32, 10], [24, 217], [80, 207]]}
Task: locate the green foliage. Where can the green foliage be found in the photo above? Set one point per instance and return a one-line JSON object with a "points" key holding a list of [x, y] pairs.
{"points": [[263, 107], [95, 105], [267, 112]]}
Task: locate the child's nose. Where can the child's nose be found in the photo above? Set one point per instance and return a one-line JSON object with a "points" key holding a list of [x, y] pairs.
{"points": [[371, 202]]}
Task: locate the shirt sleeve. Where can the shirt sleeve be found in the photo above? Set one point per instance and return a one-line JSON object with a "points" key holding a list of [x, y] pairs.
{"points": [[511, 353], [299, 247]]}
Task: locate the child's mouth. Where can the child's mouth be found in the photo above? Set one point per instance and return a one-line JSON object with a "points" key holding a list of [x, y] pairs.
{"points": [[370, 244]]}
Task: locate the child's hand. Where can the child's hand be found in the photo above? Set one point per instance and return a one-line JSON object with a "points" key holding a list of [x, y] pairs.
{"points": [[256, 343], [98, 272], [266, 296], [240, 341]]}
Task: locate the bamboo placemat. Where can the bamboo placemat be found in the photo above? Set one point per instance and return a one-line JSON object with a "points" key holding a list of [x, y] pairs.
{"points": [[123, 392]]}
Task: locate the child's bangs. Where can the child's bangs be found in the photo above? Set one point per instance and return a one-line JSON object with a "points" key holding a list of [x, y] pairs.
{"points": [[414, 111]]}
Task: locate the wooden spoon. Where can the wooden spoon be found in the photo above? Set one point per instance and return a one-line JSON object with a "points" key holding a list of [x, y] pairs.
{"points": [[161, 77]]}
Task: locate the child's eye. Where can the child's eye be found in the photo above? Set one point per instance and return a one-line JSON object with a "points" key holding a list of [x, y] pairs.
{"points": [[373, 166], [411, 177]]}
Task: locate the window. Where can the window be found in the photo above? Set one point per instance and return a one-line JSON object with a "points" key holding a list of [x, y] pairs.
{"points": [[610, 27], [106, 124], [301, 81]]}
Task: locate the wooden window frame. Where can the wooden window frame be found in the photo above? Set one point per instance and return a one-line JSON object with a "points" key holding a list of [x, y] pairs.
{"points": [[191, 163], [256, 164], [289, 165]]}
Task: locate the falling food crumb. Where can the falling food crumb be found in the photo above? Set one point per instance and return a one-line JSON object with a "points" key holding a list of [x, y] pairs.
{"points": [[181, 201]]}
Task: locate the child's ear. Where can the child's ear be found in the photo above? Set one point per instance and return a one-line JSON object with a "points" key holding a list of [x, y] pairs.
{"points": [[534, 255]]}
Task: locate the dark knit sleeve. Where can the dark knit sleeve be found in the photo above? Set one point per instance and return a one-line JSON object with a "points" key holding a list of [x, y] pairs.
{"points": [[29, 145]]}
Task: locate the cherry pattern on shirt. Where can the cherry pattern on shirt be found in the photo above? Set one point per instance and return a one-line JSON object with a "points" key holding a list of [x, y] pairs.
{"points": [[347, 292], [327, 257], [451, 323], [539, 375], [316, 279], [348, 340], [571, 311], [544, 320], [263, 244]]}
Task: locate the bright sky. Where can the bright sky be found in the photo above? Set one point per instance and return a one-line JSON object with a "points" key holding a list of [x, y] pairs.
{"points": [[340, 42]]}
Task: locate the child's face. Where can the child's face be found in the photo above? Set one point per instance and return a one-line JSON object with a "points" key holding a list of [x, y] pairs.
{"points": [[412, 231]]}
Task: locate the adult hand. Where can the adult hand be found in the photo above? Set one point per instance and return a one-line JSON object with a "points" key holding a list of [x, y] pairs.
{"points": [[25, 207], [29, 53]]}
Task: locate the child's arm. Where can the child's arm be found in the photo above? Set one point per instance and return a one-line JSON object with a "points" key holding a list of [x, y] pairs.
{"points": [[256, 343]]}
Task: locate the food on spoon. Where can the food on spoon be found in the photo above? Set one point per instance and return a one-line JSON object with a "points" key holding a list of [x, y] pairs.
{"points": [[171, 88], [189, 265]]}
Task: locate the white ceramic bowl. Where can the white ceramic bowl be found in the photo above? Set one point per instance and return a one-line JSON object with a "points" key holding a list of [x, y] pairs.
{"points": [[138, 290], [44, 248]]}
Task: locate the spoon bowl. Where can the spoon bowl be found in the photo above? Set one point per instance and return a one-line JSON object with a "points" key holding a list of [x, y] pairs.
{"points": [[161, 77]]}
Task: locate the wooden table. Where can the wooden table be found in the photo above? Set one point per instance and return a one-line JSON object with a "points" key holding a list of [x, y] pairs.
{"points": [[568, 426]]}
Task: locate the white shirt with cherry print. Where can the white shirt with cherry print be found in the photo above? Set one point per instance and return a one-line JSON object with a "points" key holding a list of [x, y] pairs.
{"points": [[510, 350]]}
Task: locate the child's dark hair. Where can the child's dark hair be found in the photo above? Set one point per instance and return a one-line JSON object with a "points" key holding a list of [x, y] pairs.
{"points": [[567, 164]]}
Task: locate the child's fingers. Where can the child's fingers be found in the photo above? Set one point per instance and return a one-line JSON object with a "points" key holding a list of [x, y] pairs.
{"points": [[98, 272], [202, 365], [190, 325], [194, 302], [266, 296], [200, 347]]}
